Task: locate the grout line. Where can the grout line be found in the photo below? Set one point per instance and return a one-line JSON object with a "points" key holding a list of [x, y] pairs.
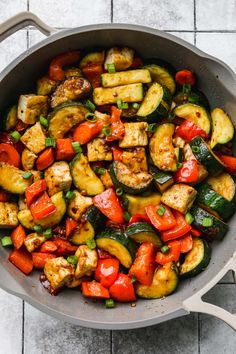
{"points": [[27, 5], [111, 342], [27, 39], [194, 21], [199, 333], [111, 11], [23, 327]]}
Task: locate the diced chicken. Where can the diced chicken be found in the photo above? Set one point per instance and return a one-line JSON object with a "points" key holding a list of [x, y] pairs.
{"points": [[180, 197], [74, 283], [87, 261], [33, 241], [104, 118], [106, 179], [135, 159], [59, 272], [8, 214], [34, 138], [178, 142], [30, 107], [58, 177], [28, 159], [99, 150], [135, 135], [122, 58], [78, 205]]}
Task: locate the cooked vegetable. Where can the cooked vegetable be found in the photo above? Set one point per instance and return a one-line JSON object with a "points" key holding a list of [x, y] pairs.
{"points": [[180, 197], [144, 266], [137, 204], [161, 75], [11, 179], [122, 289], [58, 177], [18, 236], [107, 271], [179, 229], [170, 253], [122, 58], [162, 221], [78, 205], [56, 71], [40, 259], [45, 86], [117, 128], [162, 180], [95, 217], [34, 138], [223, 185], [222, 127], [42, 207], [187, 173], [30, 107], [22, 260], [83, 232], [45, 159], [229, 163], [86, 131], [188, 130], [8, 214], [192, 95], [108, 203], [195, 114], [10, 118], [64, 150], [126, 78], [143, 232], [34, 191], [91, 58], [9, 155], [126, 93], [184, 77]]}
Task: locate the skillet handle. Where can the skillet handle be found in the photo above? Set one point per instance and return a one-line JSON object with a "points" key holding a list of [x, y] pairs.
{"points": [[22, 20], [196, 304]]}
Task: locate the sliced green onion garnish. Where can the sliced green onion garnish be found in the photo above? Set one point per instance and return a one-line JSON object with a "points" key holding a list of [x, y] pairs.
{"points": [[133, 279], [43, 121], [72, 260], [179, 165], [76, 146], [189, 218], [207, 222], [15, 136], [195, 149], [6, 241], [186, 88], [50, 142], [90, 105], [192, 98], [100, 170], [111, 68], [91, 243], [136, 105], [152, 127], [127, 216], [47, 233], [161, 210], [70, 195], [119, 191], [165, 249], [121, 104], [38, 229], [27, 175], [110, 303], [90, 117], [106, 130]]}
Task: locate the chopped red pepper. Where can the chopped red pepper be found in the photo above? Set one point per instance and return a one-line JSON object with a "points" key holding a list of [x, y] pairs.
{"points": [[117, 126], [64, 150], [64, 248], [56, 71], [117, 152], [22, 259], [107, 271], [45, 159], [18, 235], [172, 255], [161, 222], [108, 203], [188, 173], [188, 130], [186, 243], [87, 131], [144, 265], [122, 289], [139, 218], [229, 162], [40, 259], [195, 232], [48, 247], [34, 190], [42, 207], [9, 155], [180, 229], [93, 72], [71, 225], [183, 77], [95, 290]]}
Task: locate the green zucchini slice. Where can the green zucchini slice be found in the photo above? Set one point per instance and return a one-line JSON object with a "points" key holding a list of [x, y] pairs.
{"points": [[11, 179], [162, 180], [137, 204], [117, 244], [224, 185], [83, 232], [206, 156], [65, 117], [162, 75], [120, 78], [143, 232], [197, 259], [96, 218], [126, 93], [165, 282], [196, 114], [212, 201], [156, 103], [91, 58], [130, 182], [222, 127], [194, 96], [161, 148], [10, 118], [216, 231]]}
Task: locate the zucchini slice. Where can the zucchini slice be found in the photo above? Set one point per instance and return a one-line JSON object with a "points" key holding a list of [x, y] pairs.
{"points": [[11, 179], [197, 259], [65, 117], [10, 118], [224, 185], [143, 232], [222, 127], [126, 93], [130, 182], [206, 156], [196, 114], [165, 282], [156, 103], [96, 218], [84, 178], [161, 75], [194, 95], [45, 86], [210, 200], [117, 244], [91, 58], [126, 77], [137, 204], [217, 230], [83, 232], [162, 180], [161, 148]]}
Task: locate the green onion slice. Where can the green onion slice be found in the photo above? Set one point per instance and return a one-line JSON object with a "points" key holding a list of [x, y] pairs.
{"points": [[50, 142], [27, 175], [136, 105], [165, 249], [152, 127], [91, 243], [38, 228], [43, 121], [70, 195], [189, 218], [195, 149], [111, 68], [90, 117], [119, 191], [106, 130], [47, 233], [15, 136], [6, 241], [109, 303], [72, 259], [161, 210], [207, 222], [126, 216], [90, 105], [76, 146]]}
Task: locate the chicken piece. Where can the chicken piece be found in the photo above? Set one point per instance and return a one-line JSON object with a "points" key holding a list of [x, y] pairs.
{"points": [[30, 107], [202, 171], [33, 241], [104, 118], [135, 159], [98, 150], [34, 138], [122, 58], [135, 135], [74, 283], [78, 205], [87, 261], [28, 159], [58, 177], [59, 272], [106, 179], [178, 142], [180, 197], [8, 214]]}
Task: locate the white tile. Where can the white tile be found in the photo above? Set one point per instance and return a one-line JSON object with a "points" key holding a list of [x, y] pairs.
{"points": [[165, 14], [10, 324], [216, 15], [72, 13], [9, 8], [220, 45], [11, 47], [187, 36]]}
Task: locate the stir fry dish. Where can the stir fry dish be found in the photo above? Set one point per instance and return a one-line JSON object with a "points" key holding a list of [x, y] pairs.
{"points": [[116, 176]]}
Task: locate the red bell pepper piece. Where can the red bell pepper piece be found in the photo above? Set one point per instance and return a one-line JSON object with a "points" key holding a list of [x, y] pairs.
{"points": [[122, 289], [18, 235], [22, 259], [34, 191], [117, 152], [42, 207], [9, 155], [183, 77], [103, 254], [172, 255], [64, 248], [71, 225], [64, 150], [144, 265], [188, 130], [93, 73], [117, 126], [229, 162], [137, 63], [107, 271], [45, 159], [56, 71], [161, 222], [87, 131], [40, 259], [108, 203], [186, 243], [139, 218], [188, 173], [48, 247], [95, 290], [195, 232], [180, 229]]}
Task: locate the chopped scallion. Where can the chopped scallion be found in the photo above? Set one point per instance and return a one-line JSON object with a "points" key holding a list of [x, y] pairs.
{"points": [[27, 175], [195, 149], [76, 146], [15, 136], [110, 303], [90, 117], [165, 249], [43, 121], [207, 222], [72, 260], [6, 241], [152, 127], [179, 165], [186, 88], [133, 279], [38, 229], [47, 233], [126, 216], [111, 68], [90, 105], [119, 191], [50, 142], [70, 195], [121, 104], [161, 210], [136, 105], [189, 218], [100, 170], [106, 130], [91, 243]]}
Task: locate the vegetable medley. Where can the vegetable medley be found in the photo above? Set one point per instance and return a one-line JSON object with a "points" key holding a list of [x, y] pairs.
{"points": [[115, 176]]}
